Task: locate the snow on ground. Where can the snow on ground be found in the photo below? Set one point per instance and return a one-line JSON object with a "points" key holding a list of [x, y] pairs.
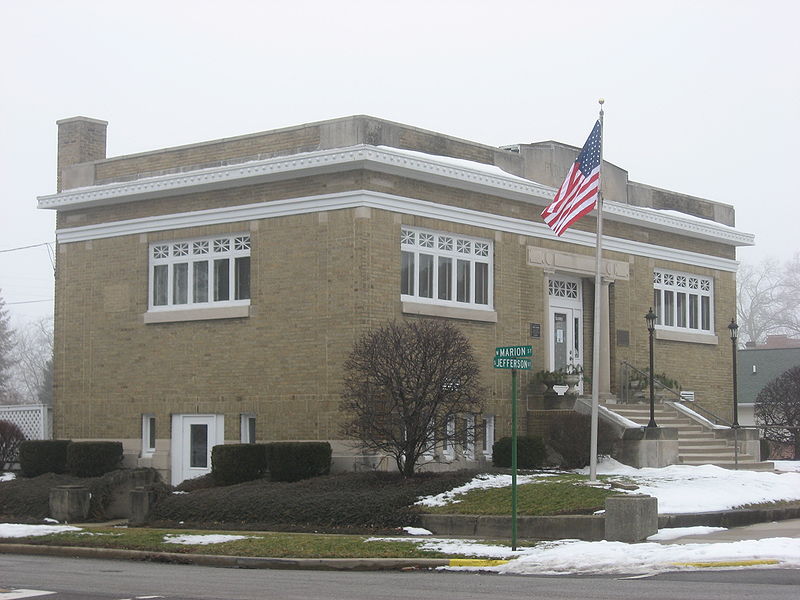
{"points": [[679, 488], [787, 465], [619, 558], [673, 533], [13, 530], [482, 481], [577, 557], [202, 539], [6, 477], [688, 489], [417, 531]]}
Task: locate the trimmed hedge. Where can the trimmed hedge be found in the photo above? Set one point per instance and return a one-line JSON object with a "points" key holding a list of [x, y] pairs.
{"points": [[292, 461], [341, 503], [531, 452], [37, 457], [93, 459], [237, 463], [570, 434]]}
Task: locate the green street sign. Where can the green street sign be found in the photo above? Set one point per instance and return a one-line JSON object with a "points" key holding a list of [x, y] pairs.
{"points": [[514, 351], [512, 363]]}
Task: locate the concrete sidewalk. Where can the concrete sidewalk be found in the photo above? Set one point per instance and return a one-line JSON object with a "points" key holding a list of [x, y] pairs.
{"points": [[789, 528]]}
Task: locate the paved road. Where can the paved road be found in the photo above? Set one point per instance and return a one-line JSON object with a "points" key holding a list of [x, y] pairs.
{"points": [[90, 579]]}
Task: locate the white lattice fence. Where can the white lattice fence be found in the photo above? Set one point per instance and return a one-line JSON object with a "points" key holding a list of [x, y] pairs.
{"points": [[33, 419]]}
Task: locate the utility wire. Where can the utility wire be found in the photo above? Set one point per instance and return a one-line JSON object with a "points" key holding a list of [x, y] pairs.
{"points": [[29, 301], [25, 247]]}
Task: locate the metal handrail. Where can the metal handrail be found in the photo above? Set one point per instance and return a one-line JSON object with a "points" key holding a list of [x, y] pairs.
{"points": [[656, 381], [711, 416], [716, 419]]}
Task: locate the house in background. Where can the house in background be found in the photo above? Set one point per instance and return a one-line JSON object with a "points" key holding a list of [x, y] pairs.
{"points": [[210, 293], [759, 364]]}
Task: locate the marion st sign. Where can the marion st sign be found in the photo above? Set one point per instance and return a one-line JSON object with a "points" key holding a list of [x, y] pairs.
{"points": [[513, 357]]}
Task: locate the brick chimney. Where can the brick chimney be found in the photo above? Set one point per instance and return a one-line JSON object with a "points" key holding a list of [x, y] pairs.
{"points": [[80, 140]]}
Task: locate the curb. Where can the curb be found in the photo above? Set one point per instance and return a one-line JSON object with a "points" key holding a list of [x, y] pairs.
{"points": [[730, 518], [716, 564], [238, 562], [592, 527]]}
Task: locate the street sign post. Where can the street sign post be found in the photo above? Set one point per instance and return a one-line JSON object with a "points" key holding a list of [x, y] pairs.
{"points": [[514, 358]]}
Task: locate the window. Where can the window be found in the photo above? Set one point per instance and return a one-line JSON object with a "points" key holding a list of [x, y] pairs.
{"points": [[148, 434], [448, 447], [682, 301], [469, 436], [488, 434], [248, 428], [200, 273], [441, 268]]}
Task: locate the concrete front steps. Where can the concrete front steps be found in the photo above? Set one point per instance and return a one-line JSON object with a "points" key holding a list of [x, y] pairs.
{"points": [[697, 444]]}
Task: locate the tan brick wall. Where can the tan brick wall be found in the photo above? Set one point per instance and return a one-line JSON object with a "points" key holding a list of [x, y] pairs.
{"points": [[318, 282]]}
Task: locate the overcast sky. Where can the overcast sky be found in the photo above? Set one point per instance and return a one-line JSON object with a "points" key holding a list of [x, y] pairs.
{"points": [[702, 96]]}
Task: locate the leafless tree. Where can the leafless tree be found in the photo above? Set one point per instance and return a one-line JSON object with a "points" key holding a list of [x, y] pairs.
{"points": [[6, 352], [768, 299], [757, 291], [33, 361], [403, 383], [788, 297], [777, 408]]}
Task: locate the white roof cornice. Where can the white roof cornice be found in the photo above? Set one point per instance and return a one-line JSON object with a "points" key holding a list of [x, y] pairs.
{"points": [[441, 170], [380, 201]]}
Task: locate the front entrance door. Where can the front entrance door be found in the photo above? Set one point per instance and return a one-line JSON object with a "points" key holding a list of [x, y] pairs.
{"points": [[567, 338], [566, 323], [193, 437]]}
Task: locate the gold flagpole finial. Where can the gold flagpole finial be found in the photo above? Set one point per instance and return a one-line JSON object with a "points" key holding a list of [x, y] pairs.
{"points": [[602, 101]]}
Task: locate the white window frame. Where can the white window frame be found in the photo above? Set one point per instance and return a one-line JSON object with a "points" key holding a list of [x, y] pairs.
{"points": [[244, 428], [448, 444], [148, 434], [165, 255], [673, 293], [488, 435], [464, 254]]}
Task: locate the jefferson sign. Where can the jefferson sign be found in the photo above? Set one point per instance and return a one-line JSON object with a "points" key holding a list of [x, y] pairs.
{"points": [[513, 357]]}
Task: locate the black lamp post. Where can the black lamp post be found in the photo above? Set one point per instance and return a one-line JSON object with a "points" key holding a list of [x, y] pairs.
{"points": [[734, 329], [650, 317]]}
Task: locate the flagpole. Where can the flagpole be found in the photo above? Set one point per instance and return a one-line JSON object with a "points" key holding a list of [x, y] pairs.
{"points": [[597, 316]]}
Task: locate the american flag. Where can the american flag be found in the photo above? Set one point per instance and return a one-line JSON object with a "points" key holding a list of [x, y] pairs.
{"points": [[577, 196]]}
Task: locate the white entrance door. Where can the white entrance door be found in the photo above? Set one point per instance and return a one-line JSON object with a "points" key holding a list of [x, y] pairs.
{"points": [[566, 323], [193, 437]]}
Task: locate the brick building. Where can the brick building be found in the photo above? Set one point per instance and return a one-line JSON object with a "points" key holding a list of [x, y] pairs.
{"points": [[211, 292]]}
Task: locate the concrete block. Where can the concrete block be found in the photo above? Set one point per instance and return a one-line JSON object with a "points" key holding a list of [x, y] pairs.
{"points": [[631, 518], [142, 501], [69, 503]]}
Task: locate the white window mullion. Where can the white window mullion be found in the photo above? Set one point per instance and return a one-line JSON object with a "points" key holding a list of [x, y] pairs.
{"points": [[231, 277], [190, 283], [170, 283]]}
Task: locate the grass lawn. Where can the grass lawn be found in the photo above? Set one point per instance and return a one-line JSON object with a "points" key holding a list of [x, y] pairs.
{"points": [[273, 545], [560, 495]]}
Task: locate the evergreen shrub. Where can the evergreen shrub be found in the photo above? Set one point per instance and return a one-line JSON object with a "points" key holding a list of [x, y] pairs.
{"points": [[237, 463], [37, 457], [292, 461], [530, 452], [93, 459]]}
